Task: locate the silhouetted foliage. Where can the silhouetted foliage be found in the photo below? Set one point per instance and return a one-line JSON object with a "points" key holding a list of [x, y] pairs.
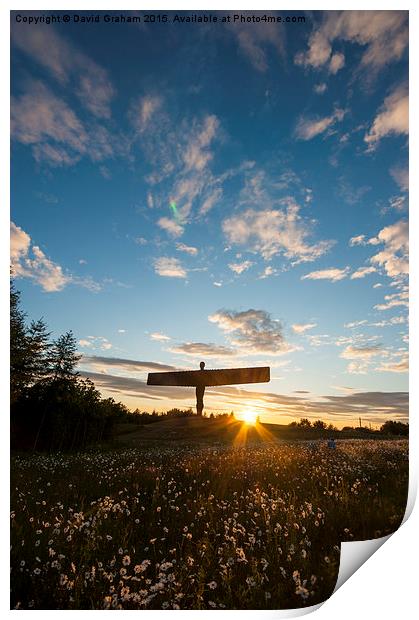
{"points": [[395, 428], [52, 408], [304, 423], [320, 425], [20, 359]]}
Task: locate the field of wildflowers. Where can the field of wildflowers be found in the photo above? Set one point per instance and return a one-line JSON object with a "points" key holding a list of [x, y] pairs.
{"points": [[197, 527]]}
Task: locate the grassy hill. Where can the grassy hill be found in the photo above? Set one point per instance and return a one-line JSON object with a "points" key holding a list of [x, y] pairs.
{"points": [[222, 430]]}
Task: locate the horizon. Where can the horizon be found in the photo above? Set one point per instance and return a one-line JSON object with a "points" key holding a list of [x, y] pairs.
{"points": [[179, 204]]}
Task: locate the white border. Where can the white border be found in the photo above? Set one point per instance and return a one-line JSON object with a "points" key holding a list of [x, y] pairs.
{"points": [[385, 587]]}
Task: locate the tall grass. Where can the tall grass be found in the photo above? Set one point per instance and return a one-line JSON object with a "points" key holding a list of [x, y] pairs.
{"points": [[192, 527]]}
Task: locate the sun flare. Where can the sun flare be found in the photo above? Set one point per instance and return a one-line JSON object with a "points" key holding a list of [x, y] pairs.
{"points": [[250, 417]]}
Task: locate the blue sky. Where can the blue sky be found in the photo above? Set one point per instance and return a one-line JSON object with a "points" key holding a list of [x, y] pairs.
{"points": [[234, 193]]}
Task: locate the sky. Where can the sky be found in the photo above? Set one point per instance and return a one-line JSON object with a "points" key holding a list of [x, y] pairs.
{"points": [[233, 192]]}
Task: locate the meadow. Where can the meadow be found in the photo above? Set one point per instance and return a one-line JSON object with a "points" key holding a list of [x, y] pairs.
{"points": [[192, 526]]}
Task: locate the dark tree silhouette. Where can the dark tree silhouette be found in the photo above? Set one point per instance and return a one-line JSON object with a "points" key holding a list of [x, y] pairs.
{"points": [[52, 408], [39, 350], [64, 358], [20, 374], [319, 424]]}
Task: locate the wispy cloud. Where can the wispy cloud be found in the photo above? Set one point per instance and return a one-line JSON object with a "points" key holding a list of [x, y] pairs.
{"points": [[29, 261], [301, 328], [394, 257], [401, 175], [367, 351], [333, 274], [171, 226], [252, 331], [56, 134], [255, 39], [123, 364], [392, 118], [275, 231], [240, 267], [188, 249], [95, 342], [202, 349], [394, 300], [383, 35], [396, 365], [169, 267], [159, 336], [68, 65], [362, 272], [143, 111], [309, 128]]}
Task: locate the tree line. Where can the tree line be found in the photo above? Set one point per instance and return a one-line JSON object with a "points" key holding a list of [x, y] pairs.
{"points": [[390, 427], [52, 407]]}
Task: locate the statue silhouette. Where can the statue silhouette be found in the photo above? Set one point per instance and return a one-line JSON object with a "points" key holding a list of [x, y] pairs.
{"points": [[200, 391], [200, 379]]}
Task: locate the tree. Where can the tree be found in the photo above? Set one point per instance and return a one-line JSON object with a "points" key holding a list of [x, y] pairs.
{"points": [[392, 427], [19, 347], [304, 423], [64, 358], [319, 424], [39, 350]]}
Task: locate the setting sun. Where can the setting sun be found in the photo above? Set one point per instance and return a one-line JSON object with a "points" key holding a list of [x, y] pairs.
{"points": [[250, 417]]}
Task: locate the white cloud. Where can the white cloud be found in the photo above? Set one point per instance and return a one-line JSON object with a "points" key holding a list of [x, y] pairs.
{"points": [[401, 176], [301, 328], [364, 352], [394, 300], [356, 323], [358, 240], [67, 65], [332, 274], [159, 336], [38, 117], [170, 226], [144, 110], [202, 349], [240, 267], [28, 261], [210, 200], [197, 154], [179, 152], [57, 136], [394, 258], [252, 331], [321, 88], [398, 203], [267, 272], [274, 231], [169, 267], [392, 119], [362, 240], [337, 61], [188, 249], [396, 366], [383, 35], [309, 128], [254, 38], [362, 272]]}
